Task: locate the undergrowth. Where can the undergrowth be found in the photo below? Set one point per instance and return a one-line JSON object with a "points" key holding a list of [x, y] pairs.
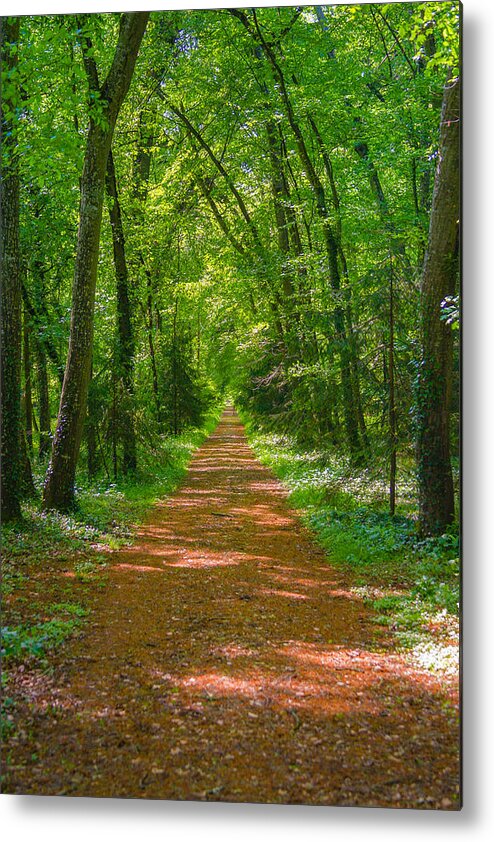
{"points": [[106, 513], [105, 518], [412, 584], [19, 642]]}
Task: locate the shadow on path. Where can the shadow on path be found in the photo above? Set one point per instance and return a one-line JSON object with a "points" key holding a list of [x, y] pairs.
{"points": [[227, 660]]}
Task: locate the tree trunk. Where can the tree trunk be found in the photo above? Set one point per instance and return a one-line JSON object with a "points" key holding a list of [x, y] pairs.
{"points": [[11, 475], [142, 162], [28, 392], [351, 337], [278, 192], [140, 176], [43, 400], [396, 243], [91, 431], [27, 483], [392, 401], [60, 478], [351, 420], [152, 354], [40, 317], [436, 497], [258, 248], [125, 338], [175, 371], [114, 426]]}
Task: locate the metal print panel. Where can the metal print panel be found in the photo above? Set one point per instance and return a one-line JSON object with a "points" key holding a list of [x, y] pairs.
{"points": [[230, 402]]}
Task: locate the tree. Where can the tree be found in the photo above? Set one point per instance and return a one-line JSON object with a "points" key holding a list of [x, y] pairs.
{"points": [[60, 478], [125, 340], [268, 179], [330, 240], [11, 301], [436, 494]]}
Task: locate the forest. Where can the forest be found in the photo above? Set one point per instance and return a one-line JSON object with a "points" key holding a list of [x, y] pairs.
{"points": [[250, 208]]}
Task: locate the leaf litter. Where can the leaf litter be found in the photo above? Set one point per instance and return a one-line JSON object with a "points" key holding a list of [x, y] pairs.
{"points": [[226, 660]]}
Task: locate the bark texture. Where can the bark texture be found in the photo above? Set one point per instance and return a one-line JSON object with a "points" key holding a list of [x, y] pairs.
{"points": [[436, 497], [60, 478], [11, 311]]}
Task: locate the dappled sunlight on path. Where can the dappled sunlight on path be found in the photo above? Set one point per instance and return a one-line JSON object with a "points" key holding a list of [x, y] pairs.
{"points": [[247, 670]]}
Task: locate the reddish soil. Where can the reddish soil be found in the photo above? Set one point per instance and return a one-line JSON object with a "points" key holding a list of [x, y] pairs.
{"points": [[226, 660]]}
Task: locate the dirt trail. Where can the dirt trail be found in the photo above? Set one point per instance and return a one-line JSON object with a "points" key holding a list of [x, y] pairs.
{"points": [[226, 660]]}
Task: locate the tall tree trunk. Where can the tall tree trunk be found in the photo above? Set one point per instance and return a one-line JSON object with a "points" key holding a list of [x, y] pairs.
{"points": [[396, 243], [125, 338], [436, 497], [175, 370], [392, 401], [60, 478], [350, 416], [278, 192], [43, 399], [91, 431], [114, 426], [28, 391], [142, 162], [28, 488], [344, 348], [11, 474], [258, 252], [292, 336], [352, 339], [149, 322], [39, 317], [140, 176]]}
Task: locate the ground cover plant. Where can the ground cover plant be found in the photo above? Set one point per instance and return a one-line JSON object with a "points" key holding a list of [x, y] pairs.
{"points": [[412, 583], [49, 556], [226, 657]]}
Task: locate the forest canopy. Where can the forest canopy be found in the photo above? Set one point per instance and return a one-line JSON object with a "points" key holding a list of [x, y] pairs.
{"points": [[256, 204]]}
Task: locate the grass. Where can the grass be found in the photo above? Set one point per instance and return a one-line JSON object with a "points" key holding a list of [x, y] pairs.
{"points": [[33, 642], [19, 642], [41, 608], [106, 516], [412, 584]]}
